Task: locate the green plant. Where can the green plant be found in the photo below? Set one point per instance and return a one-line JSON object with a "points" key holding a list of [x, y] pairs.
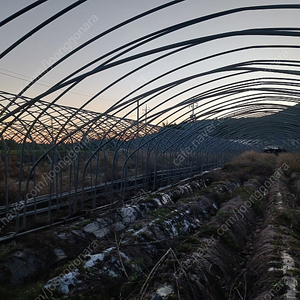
{"points": [[228, 240], [26, 292], [160, 213]]}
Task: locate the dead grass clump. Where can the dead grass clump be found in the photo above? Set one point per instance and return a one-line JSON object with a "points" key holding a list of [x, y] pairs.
{"points": [[252, 162], [235, 223], [12, 191], [295, 186], [207, 273], [12, 170], [263, 259], [292, 160], [215, 175]]}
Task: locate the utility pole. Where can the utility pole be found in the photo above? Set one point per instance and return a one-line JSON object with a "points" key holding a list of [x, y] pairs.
{"points": [[137, 117], [52, 130], [146, 110], [193, 106]]}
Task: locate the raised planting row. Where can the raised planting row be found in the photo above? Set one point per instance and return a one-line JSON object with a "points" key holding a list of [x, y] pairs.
{"points": [[231, 233]]}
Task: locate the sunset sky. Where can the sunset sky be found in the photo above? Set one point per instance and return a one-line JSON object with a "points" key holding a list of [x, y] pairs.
{"points": [[92, 17]]}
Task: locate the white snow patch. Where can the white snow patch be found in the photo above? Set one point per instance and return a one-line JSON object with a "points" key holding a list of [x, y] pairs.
{"points": [[97, 257], [93, 259], [64, 282], [139, 231], [165, 290], [215, 206], [166, 198], [174, 231], [110, 272], [157, 201], [288, 262], [99, 228], [290, 281], [186, 225]]}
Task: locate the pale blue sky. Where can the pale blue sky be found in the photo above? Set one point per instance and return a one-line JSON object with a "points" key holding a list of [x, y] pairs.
{"points": [[22, 63]]}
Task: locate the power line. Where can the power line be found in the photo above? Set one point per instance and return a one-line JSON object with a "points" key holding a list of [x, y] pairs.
{"points": [[49, 84]]}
